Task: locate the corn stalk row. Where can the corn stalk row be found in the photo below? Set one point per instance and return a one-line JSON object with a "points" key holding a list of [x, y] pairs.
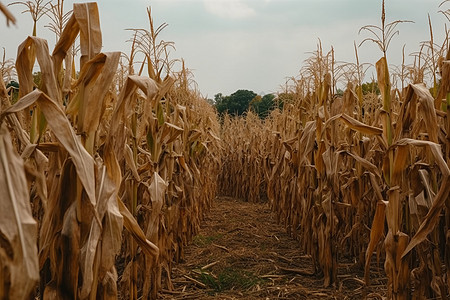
{"points": [[354, 175], [117, 169]]}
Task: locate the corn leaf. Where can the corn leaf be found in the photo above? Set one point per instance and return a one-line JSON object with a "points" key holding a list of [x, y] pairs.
{"points": [[65, 134], [133, 227], [88, 20], [17, 227]]}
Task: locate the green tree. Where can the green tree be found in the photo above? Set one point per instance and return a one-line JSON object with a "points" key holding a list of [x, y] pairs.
{"points": [[235, 104], [263, 105], [370, 87], [221, 103]]}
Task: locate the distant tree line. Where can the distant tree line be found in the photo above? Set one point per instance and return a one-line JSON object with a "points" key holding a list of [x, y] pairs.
{"points": [[242, 101]]}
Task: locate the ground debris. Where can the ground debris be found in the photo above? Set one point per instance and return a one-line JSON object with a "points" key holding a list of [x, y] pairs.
{"points": [[242, 253]]}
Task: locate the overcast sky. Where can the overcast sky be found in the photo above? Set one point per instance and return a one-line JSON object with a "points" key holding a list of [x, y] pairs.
{"points": [[251, 44]]}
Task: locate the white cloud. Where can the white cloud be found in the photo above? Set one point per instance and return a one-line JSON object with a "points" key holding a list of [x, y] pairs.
{"points": [[231, 9]]}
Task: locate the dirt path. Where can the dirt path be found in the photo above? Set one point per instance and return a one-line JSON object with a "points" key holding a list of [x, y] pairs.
{"points": [[242, 253]]}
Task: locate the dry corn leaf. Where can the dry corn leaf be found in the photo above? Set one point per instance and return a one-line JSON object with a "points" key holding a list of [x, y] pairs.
{"points": [[88, 19], [319, 158], [428, 112], [396, 266], [94, 80], [376, 232], [425, 182], [432, 217], [400, 161], [130, 163], [28, 51], [91, 251], [393, 210], [65, 134], [355, 124], [65, 42], [34, 46], [157, 190], [170, 133], [3, 93], [36, 163], [441, 103], [18, 229], [133, 227], [121, 111], [425, 109], [365, 163], [435, 151], [155, 233], [9, 16], [62, 194], [67, 252], [183, 164], [384, 85], [307, 141]]}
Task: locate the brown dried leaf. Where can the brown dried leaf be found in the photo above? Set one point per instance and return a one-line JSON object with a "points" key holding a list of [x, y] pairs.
{"points": [[133, 227], [130, 163], [376, 232], [65, 42], [107, 195], [88, 20], [61, 127], [9, 16], [24, 66], [67, 255], [170, 132], [432, 217], [365, 163], [157, 190], [419, 98], [95, 80], [355, 125], [121, 111], [17, 227]]}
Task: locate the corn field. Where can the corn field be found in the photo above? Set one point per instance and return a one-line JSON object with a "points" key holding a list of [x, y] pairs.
{"points": [[105, 170], [355, 175], [100, 167]]}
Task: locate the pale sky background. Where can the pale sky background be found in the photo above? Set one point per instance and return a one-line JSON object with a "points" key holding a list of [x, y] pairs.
{"points": [[251, 44]]}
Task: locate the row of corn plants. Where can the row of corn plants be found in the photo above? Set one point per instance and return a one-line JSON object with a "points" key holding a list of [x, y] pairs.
{"points": [[105, 172], [243, 166], [359, 173]]}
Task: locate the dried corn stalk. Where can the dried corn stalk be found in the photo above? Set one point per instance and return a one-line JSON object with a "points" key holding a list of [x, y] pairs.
{"points": [[335, 177], [100, 159]]}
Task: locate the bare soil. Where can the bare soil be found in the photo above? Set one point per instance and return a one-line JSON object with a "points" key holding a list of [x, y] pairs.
{"points": [[242, 253]]}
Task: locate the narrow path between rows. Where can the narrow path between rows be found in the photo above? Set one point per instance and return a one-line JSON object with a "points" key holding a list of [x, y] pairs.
{"points": [[242, 253]]}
